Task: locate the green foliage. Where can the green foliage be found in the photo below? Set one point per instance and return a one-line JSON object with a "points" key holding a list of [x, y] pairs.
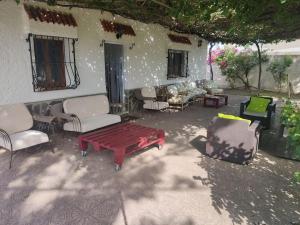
{"points": [[290, 117], [228, 21], [297, 177], [278, 69], [236, 65]]}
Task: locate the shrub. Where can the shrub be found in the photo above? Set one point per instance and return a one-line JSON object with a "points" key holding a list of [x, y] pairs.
{"points": [[278, 69], [236, 65]]}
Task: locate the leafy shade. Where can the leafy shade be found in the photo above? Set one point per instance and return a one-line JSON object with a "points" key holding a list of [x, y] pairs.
{"points": [[227, 21]]}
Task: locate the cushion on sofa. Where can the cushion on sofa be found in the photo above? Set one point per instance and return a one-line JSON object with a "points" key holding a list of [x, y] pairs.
{"points": [[92, 123], [149, 104], [86, 107], [15, 118], [26, 139], [232, 117], [256, 114], [258, 105], [148, 92]]}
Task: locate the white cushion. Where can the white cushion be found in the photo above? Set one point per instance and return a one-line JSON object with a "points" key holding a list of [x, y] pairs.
{"points": [[179, 99], [25, 139], [215, 91], [259, 114], [172, 89], [92, 123], [149, 104], [86, 107], [148, 92], [15, 118]]}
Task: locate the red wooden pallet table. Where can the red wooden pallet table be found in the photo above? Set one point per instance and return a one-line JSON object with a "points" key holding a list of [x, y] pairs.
{"points": [[123, 139]]}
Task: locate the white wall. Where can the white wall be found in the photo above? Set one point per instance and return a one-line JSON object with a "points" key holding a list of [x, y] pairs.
{"points": [[145, 64]]}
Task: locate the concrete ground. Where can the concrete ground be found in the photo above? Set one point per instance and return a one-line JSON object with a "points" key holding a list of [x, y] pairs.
{"points": [[177, 185]]}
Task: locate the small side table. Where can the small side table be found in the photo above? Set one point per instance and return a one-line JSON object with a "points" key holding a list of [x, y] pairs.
{"points": [[215, 100]]}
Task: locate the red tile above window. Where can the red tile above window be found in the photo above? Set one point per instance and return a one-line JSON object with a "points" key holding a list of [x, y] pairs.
{"points": [[179, 39], [114, 27], [45, 15]]}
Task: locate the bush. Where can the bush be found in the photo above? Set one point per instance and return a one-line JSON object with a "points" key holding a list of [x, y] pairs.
{"points": [[290, 117], [236, 65], [278, 69]]}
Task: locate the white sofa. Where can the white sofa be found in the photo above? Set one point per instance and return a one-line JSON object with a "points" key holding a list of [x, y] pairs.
{"points": [[88, 113], [15, 125], [150, 99]]}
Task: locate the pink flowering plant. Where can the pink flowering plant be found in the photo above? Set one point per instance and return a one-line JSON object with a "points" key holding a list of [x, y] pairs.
{"points": [[236, 64]]}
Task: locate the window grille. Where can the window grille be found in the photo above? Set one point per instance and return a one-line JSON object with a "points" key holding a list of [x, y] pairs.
{"points": [[53, 62], [177, 64]]}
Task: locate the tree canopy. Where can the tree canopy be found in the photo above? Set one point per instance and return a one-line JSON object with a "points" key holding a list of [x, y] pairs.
{"points": [[227, 21]]}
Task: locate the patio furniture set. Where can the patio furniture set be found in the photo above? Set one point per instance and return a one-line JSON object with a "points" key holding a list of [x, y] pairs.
{"points": [[236, 138], [181, 95], [81, 115], [229, 138]]}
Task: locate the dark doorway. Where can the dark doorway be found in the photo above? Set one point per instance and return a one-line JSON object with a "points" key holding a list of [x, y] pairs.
{"points": [[114, 72]]}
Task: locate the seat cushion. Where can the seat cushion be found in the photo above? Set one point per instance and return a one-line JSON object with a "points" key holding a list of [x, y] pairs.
{"points": [[180, 99], [86, 107], [92, 123], [256, 114], [215, 91], [149, 104], [26, 139], [258, 105], [232, 117], [172, 90], [148, 92], [15, 118]]}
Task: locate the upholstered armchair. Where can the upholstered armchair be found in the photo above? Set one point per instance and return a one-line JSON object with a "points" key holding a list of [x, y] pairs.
{"points": [[150, 99], [264, 116], [232, 140], [15, 129], [210, 86]]}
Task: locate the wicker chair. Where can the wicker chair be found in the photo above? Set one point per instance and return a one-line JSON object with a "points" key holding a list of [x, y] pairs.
{"points": [[264, 118]]}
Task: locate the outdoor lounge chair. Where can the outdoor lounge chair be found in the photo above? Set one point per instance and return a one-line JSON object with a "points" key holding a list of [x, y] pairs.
{"points": [[262, 114], [232, 140], [15, 133], [210, 86], [150, 99], [88, 113]]}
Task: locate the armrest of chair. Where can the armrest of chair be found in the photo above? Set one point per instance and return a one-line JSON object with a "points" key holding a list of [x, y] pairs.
{"points": [[254, 126], [271, 107], [243, 106], [6, 140]]}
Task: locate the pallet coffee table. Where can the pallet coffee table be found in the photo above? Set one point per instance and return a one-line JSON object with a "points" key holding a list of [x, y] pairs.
{"points": [[123, 139]]}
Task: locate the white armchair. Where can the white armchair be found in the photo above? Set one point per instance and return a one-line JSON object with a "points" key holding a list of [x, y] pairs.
{"points": [[15, 133], [88, 113], [150, 99]]}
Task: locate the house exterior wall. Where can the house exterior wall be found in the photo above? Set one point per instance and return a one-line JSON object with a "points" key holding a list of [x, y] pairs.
{"points": [[144, 65]]}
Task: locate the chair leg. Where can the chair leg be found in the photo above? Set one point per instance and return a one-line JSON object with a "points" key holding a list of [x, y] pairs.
{"points": [[11, 158]]}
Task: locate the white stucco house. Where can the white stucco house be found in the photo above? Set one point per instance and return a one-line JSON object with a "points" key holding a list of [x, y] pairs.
{"points": [[52, 53]]}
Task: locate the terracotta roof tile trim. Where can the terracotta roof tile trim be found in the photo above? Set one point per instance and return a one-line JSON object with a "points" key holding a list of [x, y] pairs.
{"points": [[179, 39], [50, 16], [114, 27]]}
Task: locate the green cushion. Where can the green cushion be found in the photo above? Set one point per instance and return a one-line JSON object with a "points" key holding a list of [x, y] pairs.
{"points": [[231, 117], [258, 105]]}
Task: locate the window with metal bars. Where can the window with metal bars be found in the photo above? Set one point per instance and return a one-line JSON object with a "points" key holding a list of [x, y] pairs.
{"points": [[53, 63], [177, 64]]}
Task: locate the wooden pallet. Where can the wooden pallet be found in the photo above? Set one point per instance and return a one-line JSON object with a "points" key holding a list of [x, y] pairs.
{"points": [[123, 139]]}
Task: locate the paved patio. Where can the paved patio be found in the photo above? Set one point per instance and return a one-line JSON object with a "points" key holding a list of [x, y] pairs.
{"points": [[173, 186]]}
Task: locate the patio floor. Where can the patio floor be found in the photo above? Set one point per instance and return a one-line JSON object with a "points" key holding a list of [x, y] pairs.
{"points": [[173, 186]]}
